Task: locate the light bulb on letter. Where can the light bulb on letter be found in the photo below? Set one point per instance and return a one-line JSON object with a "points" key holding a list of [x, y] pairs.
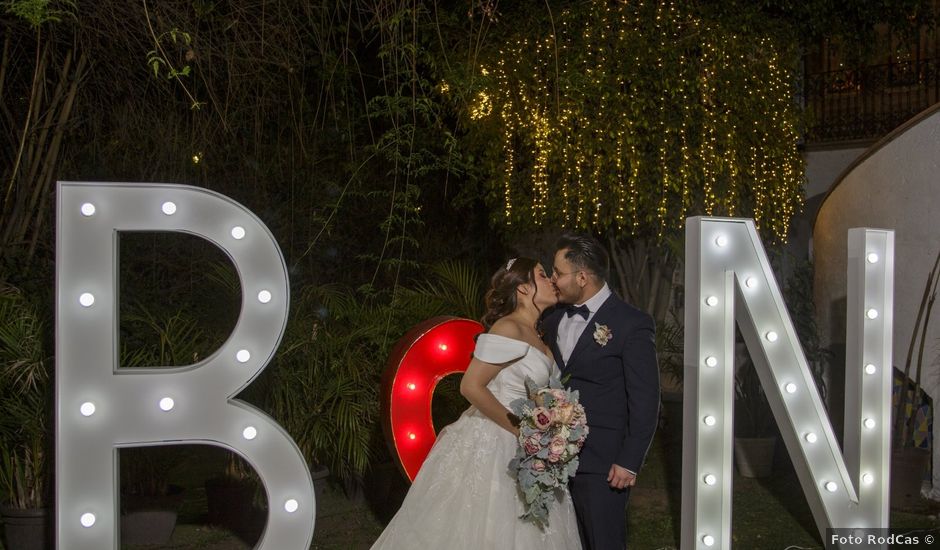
{"points": [[88, 519]]}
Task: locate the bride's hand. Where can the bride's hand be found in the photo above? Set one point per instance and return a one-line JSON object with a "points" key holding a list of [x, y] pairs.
{"points": [[514, 421]]}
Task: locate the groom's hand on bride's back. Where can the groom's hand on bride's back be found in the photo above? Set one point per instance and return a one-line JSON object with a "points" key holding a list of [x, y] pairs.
{"points": [[620, 477]]}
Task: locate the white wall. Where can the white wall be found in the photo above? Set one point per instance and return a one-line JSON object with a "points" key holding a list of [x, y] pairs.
{"points": [[896, 187], [823, 167]]}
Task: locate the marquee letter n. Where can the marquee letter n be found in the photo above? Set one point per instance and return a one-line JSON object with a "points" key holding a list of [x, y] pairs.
{"points": [[728, 278]]}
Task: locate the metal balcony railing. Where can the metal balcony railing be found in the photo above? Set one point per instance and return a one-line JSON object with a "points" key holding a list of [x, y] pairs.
{"points": [[868, 102]]}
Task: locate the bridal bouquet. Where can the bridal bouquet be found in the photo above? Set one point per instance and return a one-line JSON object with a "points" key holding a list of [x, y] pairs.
{"points": [[552, 429]]}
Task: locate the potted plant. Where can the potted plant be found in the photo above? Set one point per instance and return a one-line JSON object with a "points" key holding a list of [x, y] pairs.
{"points": [[25, 399], [755, 429], [231, 497], [908, 460], [149, 502], [323, 387]]}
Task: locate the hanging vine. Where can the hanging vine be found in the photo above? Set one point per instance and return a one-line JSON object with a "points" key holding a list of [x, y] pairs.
{"points": [[653, 114]]}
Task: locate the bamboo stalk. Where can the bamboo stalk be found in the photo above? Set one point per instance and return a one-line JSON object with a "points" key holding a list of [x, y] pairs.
{"points": [[38, 153], [4, 61], [29, 114], [51, 159]]}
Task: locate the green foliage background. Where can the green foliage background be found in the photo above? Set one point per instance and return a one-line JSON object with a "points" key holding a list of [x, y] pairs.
{"points": [[373, 138]]}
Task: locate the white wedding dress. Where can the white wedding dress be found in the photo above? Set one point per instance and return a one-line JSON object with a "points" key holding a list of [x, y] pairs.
{"points": [[464, 496]]}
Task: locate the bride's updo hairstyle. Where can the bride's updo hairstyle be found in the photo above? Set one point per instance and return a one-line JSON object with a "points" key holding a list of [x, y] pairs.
{"points": [[500, 299]]}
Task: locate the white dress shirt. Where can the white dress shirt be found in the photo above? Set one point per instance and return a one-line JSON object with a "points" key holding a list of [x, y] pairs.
{"points": [[571, 328]]}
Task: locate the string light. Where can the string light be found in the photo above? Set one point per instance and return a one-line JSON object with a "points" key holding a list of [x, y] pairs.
{"points": [[662, 148]]}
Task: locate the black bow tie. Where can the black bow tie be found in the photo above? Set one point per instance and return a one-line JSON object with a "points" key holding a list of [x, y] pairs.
{"points": [[581, 310]]}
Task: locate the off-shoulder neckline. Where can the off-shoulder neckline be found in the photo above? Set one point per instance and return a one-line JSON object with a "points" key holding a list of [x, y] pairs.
{"points": [[530, 346]]}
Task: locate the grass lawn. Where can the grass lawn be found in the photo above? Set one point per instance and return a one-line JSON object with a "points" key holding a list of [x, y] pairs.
{"points": [[768, 513]]}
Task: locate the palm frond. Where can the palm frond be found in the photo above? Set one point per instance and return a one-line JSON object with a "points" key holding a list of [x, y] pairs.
{"points": [[174, 340]]}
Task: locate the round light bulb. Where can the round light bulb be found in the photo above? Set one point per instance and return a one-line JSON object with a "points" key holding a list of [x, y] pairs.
{"points": [[167, 404], [831, 486], [771, 336], [87, 408], [872, 258], [867, 479], [872, 313], [869, 423], [88, 209], [264, 296], [88, 519], [443, 347], [870, 369], [411, 386], [710, 420], [721, 240], [242, 356], [810, 437], [710, 479], [250, 433], [87, 299], [169, 208], [291, 505], [712, 301], [708, 540], [790, 387], [750, 282], [238, 232], [711, 361], [411, 435]]}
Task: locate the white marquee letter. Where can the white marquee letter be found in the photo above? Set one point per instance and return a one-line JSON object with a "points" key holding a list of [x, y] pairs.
{"points": [[728, 277], [101, 408]]}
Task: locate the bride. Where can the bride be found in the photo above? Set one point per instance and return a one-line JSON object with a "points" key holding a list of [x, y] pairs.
{"points": [[464, 496]]}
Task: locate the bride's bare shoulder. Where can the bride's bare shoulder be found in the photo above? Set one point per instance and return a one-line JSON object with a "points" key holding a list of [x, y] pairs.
{"points": [[508, 327]]}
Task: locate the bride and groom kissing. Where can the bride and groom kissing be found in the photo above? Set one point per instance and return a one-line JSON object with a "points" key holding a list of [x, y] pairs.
{"points": [[565, 324]]}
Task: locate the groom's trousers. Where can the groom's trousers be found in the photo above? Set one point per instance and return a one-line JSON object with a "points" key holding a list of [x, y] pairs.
{"points": [[601, 512]]}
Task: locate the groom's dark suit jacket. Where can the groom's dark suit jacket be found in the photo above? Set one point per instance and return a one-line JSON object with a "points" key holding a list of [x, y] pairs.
{"points": [[618, 384]]}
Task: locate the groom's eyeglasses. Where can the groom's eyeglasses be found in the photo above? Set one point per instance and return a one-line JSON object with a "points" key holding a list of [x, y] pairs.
{"points": [[556, 274]]}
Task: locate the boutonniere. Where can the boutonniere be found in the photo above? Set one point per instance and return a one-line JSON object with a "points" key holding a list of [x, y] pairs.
{"points": [[602, 334]]}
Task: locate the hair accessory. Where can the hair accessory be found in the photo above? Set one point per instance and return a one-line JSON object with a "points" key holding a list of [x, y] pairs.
{"points": [[509, 263]]}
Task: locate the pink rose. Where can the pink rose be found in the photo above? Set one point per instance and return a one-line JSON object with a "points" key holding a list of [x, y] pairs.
{"points": [[538, 466], [556, 448], [542, 418], [531, 444]]}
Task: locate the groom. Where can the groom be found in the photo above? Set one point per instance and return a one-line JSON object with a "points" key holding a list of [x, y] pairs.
{"points": [[607, 351]]}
